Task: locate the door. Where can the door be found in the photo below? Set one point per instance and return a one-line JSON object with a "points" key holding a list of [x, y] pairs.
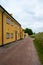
{"points": [[15, 35]]}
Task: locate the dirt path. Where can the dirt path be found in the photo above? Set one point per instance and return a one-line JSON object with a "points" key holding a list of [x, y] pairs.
{"points": [[19, 53]]}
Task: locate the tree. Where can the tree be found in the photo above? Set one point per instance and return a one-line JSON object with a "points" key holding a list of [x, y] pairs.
{"points": [[29, 31]]}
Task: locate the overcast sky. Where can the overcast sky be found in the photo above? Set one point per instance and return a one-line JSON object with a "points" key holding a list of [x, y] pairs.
{"points": [[29, 13]]}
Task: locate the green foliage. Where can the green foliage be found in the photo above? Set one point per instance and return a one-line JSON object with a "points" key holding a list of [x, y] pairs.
{"points": [[32, 36], [29, 31], [39, 45], [39, 38]]}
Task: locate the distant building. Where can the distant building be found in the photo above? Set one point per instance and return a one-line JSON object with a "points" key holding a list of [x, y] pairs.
{"points": [[10, 29], [26, 35]]}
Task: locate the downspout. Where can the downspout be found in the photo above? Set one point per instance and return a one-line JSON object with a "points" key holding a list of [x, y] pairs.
{"points": [[2, 28]]}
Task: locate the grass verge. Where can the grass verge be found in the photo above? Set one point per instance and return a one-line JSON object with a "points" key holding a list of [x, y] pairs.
{"points": [[38, 42]]}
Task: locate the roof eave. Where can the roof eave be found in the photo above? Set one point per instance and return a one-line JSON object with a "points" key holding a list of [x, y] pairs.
{"points": [[9, 14]]}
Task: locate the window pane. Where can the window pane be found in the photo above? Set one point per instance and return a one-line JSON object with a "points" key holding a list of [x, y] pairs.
{"points": [[7, 35], [7, 21]]}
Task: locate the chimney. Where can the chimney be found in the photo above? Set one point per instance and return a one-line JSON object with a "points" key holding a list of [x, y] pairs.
{"points": [[11, 14]]}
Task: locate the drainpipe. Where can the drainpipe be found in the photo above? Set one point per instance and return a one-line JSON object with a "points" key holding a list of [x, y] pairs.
{"points": [[2, 28]]}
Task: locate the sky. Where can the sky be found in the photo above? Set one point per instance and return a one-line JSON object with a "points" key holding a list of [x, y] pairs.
{"points": [[29, 13]]}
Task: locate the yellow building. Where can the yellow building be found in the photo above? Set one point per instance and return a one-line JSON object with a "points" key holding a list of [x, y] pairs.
{"points": [[26, 35], [10, 29], [22, 33]]}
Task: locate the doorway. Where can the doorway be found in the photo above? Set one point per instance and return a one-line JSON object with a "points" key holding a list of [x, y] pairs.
{"points": [[15, 35]]}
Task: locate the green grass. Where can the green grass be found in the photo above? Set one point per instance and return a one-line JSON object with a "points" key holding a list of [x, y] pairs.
{"points": [[32, 36], [38, 42]]}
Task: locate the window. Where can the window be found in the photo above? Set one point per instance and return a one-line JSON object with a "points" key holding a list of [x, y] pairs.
{"points": [[12, 35], [7, 21], [7, 35], [11, 23]]}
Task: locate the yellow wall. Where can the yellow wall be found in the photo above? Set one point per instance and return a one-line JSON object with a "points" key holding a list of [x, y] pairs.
{"points": [[22, 33], [0, 28], [18, 32], [10, 29]]}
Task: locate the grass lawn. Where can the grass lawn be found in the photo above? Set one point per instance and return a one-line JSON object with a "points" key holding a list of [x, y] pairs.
{"points": [[38, 42]]}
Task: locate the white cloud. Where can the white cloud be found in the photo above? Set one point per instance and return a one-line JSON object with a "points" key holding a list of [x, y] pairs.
{"points": [[28, 12]]}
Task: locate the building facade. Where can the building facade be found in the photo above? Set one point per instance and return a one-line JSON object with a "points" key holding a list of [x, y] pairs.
{"points": [[10, 29]]}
